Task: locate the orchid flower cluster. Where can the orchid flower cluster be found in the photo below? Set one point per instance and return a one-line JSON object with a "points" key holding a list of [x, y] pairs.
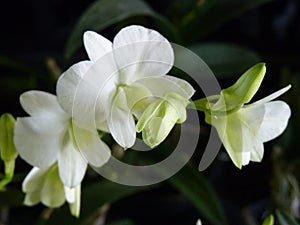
{"points": [[123, 89]]}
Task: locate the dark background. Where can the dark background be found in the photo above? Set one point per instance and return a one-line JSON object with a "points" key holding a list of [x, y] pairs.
{"points": [[33, 31]]}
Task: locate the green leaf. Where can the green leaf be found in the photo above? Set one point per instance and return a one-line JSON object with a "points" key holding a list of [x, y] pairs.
{"points": [[207, 16], [105, 13], [226, 60], [95, 196], [196, 188], [285, 219]]}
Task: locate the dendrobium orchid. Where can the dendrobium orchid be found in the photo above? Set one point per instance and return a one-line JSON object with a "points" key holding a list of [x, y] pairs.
{"points": [[243, 128], [121, 79], [50, 135], [45, 186]]}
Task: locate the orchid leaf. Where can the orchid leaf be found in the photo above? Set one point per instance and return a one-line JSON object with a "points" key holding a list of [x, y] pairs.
{"points": [[207, 16], [105, 13], [285, 219], [226, 60], [95, 196], [196, 188]]}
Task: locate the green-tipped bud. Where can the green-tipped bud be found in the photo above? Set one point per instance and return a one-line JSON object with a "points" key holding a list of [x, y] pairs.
{"points": [[269, 220], [7, 148], [243, 90], [160, 117]]}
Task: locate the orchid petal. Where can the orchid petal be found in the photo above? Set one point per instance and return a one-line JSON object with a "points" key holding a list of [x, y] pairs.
{"points": [[240, 132], [273, 96], [91, 146], [75, 205], [96, 45], [147, 52], [87, 97], [39, 103], [121, 122], [35, 176], [53, 193], [38, 140], [161, 122], [138, 97], [44, 185], [70, 194], [71, 163], [257, 153], [161, 85], [68, 83], [277, 114], [246, 158]]}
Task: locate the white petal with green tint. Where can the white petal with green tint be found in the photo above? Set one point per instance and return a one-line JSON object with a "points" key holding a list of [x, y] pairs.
{"points": [[245, 130], [160, 123], [161, 85], [92, 148], [38, 140], [72, 166], [121, 122], [147, 53], [257, 153], [240, 132], [73, 196], [53, 193], [44, 185], [96, 45], [32, 185]]}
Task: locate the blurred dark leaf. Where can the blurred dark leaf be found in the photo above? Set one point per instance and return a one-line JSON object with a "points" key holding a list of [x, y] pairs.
{"points": [[17, 66], [195, 187], [226, 60], [94, 196], [121, 222], [206, 16], [285, 219], [11, 197], [104, 13]]}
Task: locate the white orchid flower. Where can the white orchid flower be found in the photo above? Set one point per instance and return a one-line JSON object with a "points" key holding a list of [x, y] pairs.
{"points": [[121, 79], [50, 135], [243, 128], [45, 186]]}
